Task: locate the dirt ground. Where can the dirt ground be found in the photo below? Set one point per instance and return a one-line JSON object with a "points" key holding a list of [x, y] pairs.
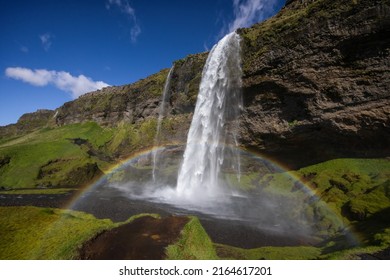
{"points": [[144, 239]]}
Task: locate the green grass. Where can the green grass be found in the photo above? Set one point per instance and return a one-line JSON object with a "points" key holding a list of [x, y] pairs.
{"points": [[363, 182], [349, 192], [26, 160], [90, 131], [268, 253], [332, 196], [51, 152], [45, 233], [362, 185], [194, 244], [38, 191], [30, 152], [352, 254]]}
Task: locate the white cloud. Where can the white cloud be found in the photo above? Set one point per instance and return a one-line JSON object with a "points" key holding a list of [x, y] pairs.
{"points": [[125, 8], [36, 78], [46, 40], [248, 12], [76, 85], [134, 32]]}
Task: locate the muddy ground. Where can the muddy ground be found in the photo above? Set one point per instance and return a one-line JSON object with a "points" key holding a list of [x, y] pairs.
{"points": [[144, 239]]}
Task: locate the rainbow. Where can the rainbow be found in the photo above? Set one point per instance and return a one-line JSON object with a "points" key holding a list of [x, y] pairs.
{"points": [[112, 169], [307, 189]]}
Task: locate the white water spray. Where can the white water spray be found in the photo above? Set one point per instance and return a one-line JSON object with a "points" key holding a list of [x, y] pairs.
{"points": [[204, 186], [161, 115], [213, 128]]}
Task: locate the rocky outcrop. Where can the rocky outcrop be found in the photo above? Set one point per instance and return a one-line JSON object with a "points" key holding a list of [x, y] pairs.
{"points": [[317, 81], [28, 122], [187, 74], [131, 103], [136, 102]]}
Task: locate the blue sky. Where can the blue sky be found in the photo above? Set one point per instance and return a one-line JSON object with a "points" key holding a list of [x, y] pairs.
{"points": [[53, 51]]}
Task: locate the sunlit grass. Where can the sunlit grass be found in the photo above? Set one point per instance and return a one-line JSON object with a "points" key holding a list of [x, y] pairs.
{"points": [[268, 253], [193, 244], [45, 233], [31, 152]]}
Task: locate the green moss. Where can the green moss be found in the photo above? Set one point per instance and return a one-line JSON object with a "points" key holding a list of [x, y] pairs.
{"points": [[151, 86], [194, 244], [126, 135], [268, 253], [370, 203], [293, 123], [44, 233], [260, 38], [360, 182], [338, 193], [247, 181], [383, 238], [148, 130], [352, 254], [129, 138]]}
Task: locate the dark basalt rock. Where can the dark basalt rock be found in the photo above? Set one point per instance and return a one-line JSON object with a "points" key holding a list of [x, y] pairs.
{"points": [[317, 82]]}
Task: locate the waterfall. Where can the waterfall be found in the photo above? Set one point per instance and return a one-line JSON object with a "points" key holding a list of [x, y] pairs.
{"points": [[211, 150], [161, 115]]}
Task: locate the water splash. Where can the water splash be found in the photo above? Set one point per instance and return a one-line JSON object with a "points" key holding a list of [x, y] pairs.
{"points": [[161, 115], [214, 124]]}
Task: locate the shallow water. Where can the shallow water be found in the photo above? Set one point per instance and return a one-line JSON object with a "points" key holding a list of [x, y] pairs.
{"points": [[105, 201]]}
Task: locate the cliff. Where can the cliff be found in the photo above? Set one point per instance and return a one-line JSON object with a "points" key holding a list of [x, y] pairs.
{"points": [[317, 81], [28, 122], [136, 102], [316, 86]]}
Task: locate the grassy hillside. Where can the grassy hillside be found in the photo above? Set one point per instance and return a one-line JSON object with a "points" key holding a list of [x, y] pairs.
{"points": [[52, 156], [73, 155]]}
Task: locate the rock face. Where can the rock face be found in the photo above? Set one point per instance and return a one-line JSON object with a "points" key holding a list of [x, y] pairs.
{"points": [[28, 122], [317, 81], [136, 102], [316, 86]]}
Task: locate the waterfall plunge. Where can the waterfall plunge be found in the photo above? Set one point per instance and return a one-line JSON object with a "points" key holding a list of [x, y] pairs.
{"points": [[206, 183], [212, 136]]}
